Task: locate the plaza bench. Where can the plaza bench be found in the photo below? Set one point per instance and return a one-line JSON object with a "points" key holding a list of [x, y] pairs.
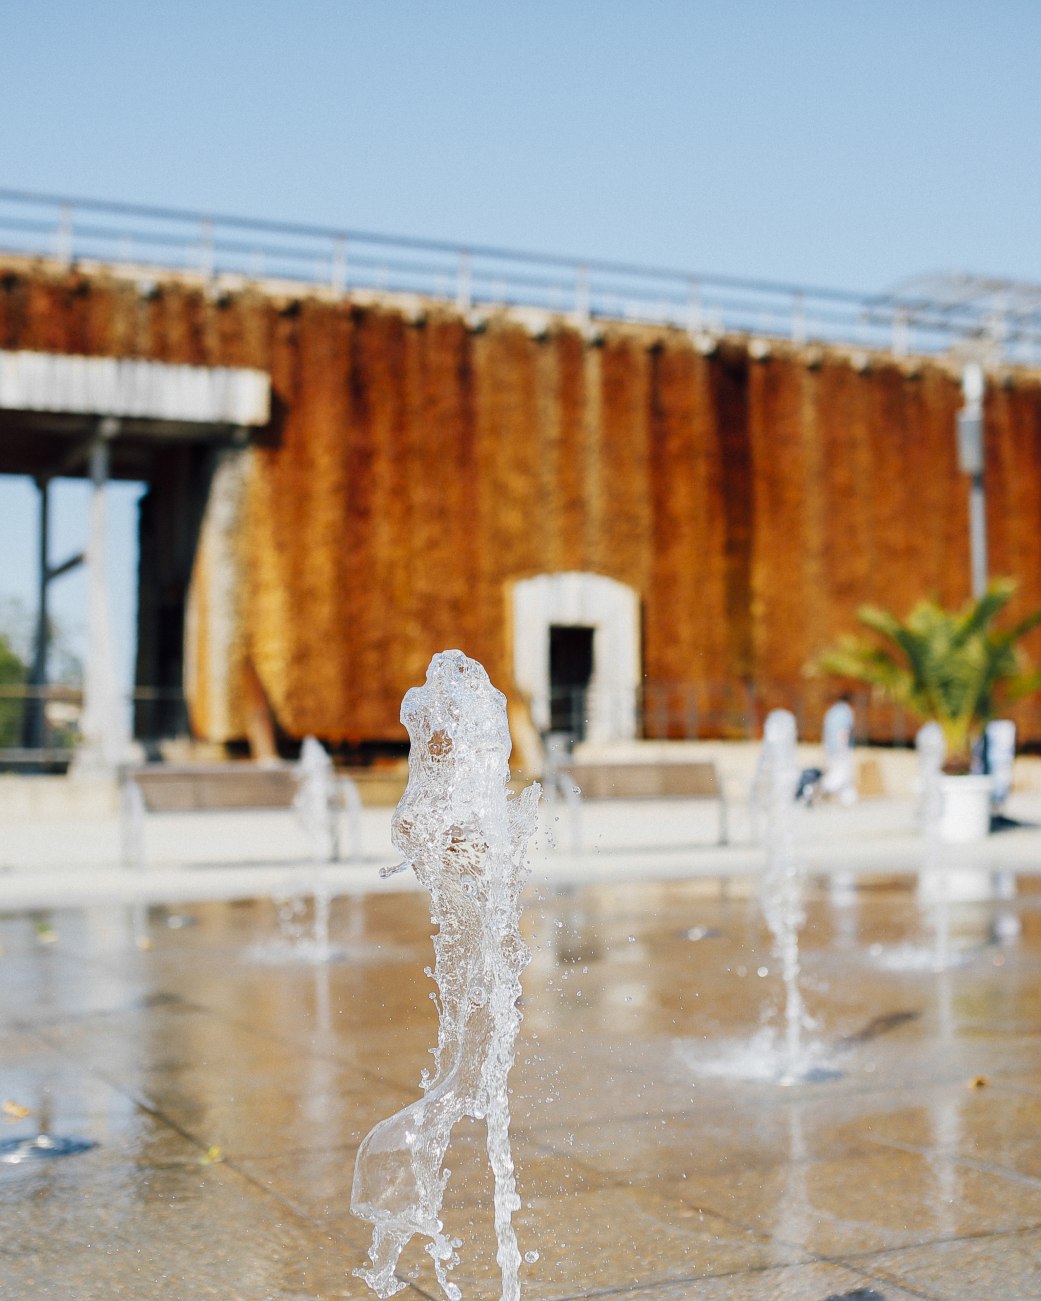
{"points": [[687, 780], [215, 788]]}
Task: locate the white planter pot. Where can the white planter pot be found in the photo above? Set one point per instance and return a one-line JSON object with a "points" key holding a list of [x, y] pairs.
{"points": [[966, 808]]}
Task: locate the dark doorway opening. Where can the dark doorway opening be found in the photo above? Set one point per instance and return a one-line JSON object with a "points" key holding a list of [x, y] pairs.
{"points": [[570, 672]]}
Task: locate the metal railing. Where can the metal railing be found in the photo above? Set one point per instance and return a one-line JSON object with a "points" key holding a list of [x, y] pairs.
{"points": [[735, 711], [699, 711], [218, 247], [662, 711], [40, 726]]}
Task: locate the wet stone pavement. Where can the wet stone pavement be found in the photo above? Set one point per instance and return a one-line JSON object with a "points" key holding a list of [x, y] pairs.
{"points": [[225, 1088]]}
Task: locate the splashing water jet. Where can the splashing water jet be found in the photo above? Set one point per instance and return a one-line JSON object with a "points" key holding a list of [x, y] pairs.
{"points": [[934, 877], [466, 840], [777, 811], [781, 889], [314, 807]]}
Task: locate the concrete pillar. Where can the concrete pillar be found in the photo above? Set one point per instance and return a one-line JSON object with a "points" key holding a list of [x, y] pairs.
{"points": [[105, 733], [33, 729]]}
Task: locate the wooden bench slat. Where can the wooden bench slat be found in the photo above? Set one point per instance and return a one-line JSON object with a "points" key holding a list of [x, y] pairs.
{"points": [[172, 790], [692, 780], [636, 781]]}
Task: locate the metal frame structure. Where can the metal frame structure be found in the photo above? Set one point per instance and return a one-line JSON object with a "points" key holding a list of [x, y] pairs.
{"points": [[927, 315]]}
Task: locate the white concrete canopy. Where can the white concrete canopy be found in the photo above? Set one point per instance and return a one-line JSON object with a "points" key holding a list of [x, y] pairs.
{"points": [[111, 409], [585, 600], [129, 388]]}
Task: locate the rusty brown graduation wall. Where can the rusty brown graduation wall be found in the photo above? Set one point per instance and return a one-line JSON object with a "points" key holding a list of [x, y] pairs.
{"points": [[416, 466]]}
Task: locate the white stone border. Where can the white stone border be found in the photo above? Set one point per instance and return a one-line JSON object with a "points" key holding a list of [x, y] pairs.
{"points": [[612, 610]]}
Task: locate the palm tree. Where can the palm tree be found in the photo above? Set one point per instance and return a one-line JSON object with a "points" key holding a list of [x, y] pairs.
{"points": [[943, 665]]}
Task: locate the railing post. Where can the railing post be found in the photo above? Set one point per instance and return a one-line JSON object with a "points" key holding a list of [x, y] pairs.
{"points": [[206, 254], [582, 296], [463, 299], [339, 278], [997, 326], [799, 318], [901, 333], [693, 308], [63, 236]]}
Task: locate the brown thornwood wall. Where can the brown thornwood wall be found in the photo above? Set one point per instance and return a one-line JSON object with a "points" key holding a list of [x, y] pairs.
{"points": [[416, 468]]}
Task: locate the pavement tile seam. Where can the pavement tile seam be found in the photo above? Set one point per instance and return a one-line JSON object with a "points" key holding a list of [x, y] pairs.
{"points": [[844, 1088], [737, 1222], [139, 1102], [987, 1235], [881, 1279], [856, 1263], [956, 1158], [217, 1017], [282, 1200], [137, 1007], [640, 1291], [804, 1253], [888, 1276]]}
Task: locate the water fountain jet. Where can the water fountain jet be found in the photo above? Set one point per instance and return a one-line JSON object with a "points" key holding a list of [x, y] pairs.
{"points": [[466, 840], [314, 806], [781, 886]]}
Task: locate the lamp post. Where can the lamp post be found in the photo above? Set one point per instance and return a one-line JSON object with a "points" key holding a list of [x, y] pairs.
{"points": [[971, 462]]}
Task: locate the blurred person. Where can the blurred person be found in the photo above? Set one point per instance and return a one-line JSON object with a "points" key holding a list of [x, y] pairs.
{"points": [[999, 750], [838, 779]]}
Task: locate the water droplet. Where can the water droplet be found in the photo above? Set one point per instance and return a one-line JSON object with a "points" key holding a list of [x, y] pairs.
{"points": [[632, 939], [531, 1257], [762, 971]]}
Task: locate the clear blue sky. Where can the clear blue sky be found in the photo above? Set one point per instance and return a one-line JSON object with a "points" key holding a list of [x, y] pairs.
{"points": [[819, 141]]}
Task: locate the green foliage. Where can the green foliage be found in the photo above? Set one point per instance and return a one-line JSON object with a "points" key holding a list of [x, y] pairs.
{"points": [[12, 674], [943, 665]]}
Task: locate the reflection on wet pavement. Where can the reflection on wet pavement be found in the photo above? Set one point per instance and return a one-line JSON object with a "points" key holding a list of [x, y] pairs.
{"points": [[226, 1098]]}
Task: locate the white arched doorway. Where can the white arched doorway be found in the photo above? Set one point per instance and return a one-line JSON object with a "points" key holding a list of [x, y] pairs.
{"points": [[576, 653]]}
